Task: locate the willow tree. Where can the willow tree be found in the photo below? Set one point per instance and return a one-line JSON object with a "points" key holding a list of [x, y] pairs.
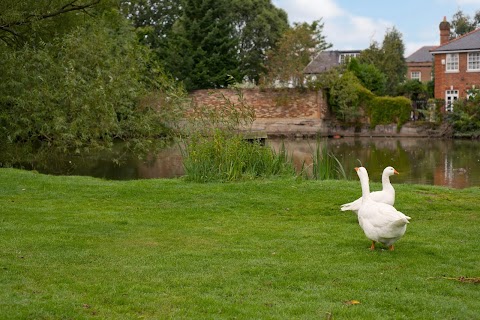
{"points": [[76, 79]]}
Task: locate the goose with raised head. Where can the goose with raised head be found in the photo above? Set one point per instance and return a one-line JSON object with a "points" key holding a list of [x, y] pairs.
{"points": [[380, 222], [386, 195]]}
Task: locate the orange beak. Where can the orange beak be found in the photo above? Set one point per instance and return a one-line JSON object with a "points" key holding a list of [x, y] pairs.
{"points": [[395, 171], [356, 168]]}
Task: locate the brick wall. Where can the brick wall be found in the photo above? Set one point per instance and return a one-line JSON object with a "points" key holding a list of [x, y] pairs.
{"points": [[270, 103]]}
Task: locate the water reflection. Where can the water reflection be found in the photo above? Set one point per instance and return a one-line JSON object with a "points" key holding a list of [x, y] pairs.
{"points": [[452, 163]]}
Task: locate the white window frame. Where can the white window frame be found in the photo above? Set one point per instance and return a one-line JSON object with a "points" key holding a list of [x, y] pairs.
{"points": [[473, 61], [450, 97], [452, 62], [416, 75]]}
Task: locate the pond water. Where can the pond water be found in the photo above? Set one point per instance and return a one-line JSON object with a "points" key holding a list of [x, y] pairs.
{"points": [[453, 163]]}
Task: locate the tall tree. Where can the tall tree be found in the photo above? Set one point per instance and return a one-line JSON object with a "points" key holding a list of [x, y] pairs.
{"points": [[294, 51], [389, 59], [259, 25], [154, 20], [203, 49], [394, 65]]}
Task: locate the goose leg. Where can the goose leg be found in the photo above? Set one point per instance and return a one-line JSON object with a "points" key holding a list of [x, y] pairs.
{"points": [[391, 248], [372, 247]]}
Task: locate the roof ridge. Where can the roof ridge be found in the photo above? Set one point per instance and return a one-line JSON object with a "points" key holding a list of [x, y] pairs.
{"points": [[458, 38]]}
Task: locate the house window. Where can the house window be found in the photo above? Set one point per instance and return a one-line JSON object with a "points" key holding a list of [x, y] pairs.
{"points": [[416, 75], [452, 62], [474, 61], [345, 57]]}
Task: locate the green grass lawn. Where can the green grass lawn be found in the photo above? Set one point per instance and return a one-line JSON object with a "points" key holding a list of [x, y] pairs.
{"points": [[85, 248]]}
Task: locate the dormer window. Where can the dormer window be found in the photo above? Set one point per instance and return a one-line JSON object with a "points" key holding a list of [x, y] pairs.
{"points": [[452, 62], [474, 61], [345, 57]]}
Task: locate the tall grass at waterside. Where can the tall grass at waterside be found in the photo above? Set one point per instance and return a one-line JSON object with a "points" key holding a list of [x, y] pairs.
{"points": [[325, 165], [226, 157], [214, 147]]}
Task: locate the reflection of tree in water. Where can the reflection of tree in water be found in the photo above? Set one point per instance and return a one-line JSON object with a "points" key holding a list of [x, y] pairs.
{"points": [[375, 154], [118, 164]]}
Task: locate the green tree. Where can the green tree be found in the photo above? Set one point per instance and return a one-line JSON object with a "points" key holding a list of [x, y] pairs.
{"points": [[259, 26], [389, 59], [82, 87], [203, 52], [462, 23], [294, 51], [369, 75], [153, 20]]}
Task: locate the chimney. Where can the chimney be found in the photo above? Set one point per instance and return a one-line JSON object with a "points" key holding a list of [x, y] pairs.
{"points": [[444, 31]]}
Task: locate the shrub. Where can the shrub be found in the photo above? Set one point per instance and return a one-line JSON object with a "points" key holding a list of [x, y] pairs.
{"points": [[386, 110], [465, 118], [347, 98]]}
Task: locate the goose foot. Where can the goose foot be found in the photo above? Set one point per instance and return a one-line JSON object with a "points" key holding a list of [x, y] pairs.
{"points": [[391, 248], [372, 247]]}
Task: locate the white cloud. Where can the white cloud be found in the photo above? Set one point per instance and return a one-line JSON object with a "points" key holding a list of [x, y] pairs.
{"points": [[355, 32], [309, 10], [349, 31]]}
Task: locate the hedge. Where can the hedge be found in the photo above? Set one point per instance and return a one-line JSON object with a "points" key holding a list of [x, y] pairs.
{"points": [[386, 110]]}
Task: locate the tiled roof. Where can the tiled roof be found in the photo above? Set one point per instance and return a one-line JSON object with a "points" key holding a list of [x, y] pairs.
{"points": [[469, 41], [325, 60], [421, 55]]}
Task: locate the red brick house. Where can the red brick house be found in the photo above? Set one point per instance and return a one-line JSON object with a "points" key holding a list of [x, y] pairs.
{"points": [[456, 65]]}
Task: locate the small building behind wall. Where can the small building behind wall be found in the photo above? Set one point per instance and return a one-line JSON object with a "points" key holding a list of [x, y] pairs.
{"points": [[419, 64]]}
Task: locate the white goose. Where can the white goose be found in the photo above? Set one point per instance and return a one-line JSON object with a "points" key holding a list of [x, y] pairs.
{"points": [[386, 195], [380, 222]]}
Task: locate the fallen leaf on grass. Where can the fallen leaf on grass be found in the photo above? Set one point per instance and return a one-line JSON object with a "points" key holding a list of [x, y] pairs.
{"points": [[351, 302]]}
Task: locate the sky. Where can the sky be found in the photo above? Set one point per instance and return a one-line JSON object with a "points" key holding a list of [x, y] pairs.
{"points": [[354, 24]]}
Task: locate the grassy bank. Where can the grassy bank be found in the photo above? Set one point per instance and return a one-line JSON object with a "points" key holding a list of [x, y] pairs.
{"points": [[81, 248]]}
